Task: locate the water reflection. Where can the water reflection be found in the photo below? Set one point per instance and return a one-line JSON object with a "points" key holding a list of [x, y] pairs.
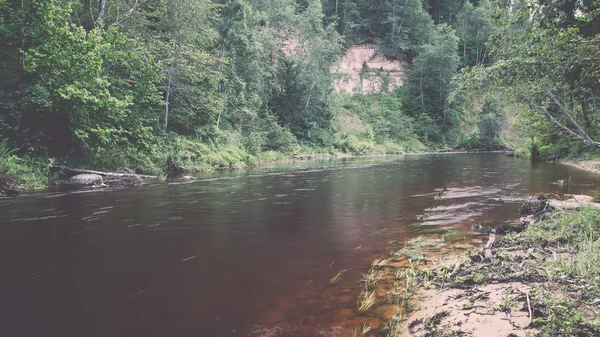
{"points": [[240, 253]]}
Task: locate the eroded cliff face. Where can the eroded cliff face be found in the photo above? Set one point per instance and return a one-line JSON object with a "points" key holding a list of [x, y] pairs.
{"points": [[364, 69]]}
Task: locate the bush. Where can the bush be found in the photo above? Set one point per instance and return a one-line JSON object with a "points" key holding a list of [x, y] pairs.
{"points": [[195, 155], [475, 140], [280, 139], [27, 173], [350, 144]]}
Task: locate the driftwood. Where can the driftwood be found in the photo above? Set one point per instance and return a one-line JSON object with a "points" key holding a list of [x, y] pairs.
{"points": [[69, 171]]}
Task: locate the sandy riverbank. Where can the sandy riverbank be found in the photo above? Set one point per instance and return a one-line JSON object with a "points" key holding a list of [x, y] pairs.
{"points": [[541, 279], [588, 165]]}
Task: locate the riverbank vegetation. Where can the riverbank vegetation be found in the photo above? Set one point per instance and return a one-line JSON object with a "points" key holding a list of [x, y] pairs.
{"points": [[123, 84], [540, 278]]}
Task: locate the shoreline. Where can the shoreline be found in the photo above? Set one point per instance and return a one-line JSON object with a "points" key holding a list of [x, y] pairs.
{"points": [[11, 190], [541, 278], [586, 165]]}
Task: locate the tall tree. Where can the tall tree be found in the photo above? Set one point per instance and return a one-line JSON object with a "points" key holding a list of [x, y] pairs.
{"points": [[474, 27], [182, 36], [82, 89], [407, 26], [429, 78]]}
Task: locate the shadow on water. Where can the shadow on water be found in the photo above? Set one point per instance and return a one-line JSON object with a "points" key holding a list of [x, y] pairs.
{"points": [[242, 253]]}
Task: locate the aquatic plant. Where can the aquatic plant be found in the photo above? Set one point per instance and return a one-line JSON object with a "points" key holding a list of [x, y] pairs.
{"points": [[338, 277], [362, 331], [371, 278], [367, 301], [380, 263]]}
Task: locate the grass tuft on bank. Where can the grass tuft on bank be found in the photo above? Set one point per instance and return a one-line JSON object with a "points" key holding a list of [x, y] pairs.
{"points": [[21, 173]]}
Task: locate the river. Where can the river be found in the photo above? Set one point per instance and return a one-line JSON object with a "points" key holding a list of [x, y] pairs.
{"points": [[246, 253]]}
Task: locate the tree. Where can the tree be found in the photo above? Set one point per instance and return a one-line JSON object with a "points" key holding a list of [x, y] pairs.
{"points": [[444, 11], [407, 26], [80, 89], [474, 27], [243, 75], [182, 37], [554, 69], [300, 84], [429, 78]]}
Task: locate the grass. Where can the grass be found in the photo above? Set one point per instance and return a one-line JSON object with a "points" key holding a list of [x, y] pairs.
{"points": [[415, 249], [367, 301], [380, 263], [23, 173], [362, 331], [338, 277], [559, 257], [506, 304], [371, 279]]}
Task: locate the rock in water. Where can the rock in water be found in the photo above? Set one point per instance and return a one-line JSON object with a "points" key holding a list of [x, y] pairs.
{"points": [[86, 179]]}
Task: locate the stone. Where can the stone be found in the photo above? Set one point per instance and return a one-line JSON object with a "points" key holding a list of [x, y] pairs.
{"points": [[86, 179]]}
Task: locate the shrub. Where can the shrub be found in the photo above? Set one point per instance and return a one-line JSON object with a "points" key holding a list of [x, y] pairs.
{"points": [[26, 172]]}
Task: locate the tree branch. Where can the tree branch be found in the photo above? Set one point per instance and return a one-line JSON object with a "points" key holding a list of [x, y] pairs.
{"points": [[565, 129], [587, 138], [130, 11], [101, 7]]}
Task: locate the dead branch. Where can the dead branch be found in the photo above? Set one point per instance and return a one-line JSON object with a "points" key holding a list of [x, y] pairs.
{"points": [[528, 307]]}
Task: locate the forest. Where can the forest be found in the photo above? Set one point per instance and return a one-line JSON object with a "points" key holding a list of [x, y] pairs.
{"points": [[123, 84]]}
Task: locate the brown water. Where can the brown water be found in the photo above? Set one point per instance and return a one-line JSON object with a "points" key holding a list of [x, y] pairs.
{"points": [[240, 254]]}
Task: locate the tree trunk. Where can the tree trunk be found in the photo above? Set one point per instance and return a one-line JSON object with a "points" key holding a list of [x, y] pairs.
{"points": [[422, 95], [101, 7], [586, 138], [221, 83], [586, 114], [22, 75], [168, 94], [394, 22]]}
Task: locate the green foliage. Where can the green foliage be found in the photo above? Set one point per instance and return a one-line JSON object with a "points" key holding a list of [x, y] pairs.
{"points": [[429, 81], [27, 173], [199, 156], [486, 134], [535, 61], [580, 232], [474, 27], [407, 26], [375, 123]]}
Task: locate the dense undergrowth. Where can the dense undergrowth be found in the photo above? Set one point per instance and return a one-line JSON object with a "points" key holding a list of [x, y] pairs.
{"points": [[364, 125], [22, 173]]}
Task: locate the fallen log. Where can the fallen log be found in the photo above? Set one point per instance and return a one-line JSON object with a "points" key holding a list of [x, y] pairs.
{"points": [[69, 171]]}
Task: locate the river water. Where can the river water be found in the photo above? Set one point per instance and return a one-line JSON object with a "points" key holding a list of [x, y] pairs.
{"points": [[241, 253]]}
